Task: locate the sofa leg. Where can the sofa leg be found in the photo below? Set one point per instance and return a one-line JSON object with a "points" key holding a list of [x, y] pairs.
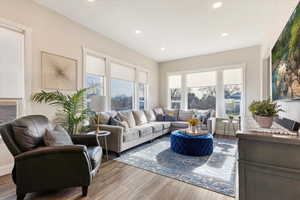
{"points": [[20, 195], [85, 190]]}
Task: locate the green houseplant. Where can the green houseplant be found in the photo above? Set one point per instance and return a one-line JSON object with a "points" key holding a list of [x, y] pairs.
{"points": [[264, 111], [72, 108]]}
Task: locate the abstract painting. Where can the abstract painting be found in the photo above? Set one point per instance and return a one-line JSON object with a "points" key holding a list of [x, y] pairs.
{"points": [[59, 72], [286, 60]]}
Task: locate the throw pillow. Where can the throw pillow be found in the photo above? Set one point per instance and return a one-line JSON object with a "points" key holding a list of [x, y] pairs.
{"points": [[122, 124], [171, 112], [104, 118], [140, 117], [185, 115], [150, 115], [170, 118], [128, 117], [158, 111], [57, 137], [25, 139]]}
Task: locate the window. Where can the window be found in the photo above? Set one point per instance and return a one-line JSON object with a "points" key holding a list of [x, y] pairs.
{"points": [[122, 87], [8, 110], [12, 83], [232, 79], [95, 73], [201, 90], [122, 93], [142, 94], [175, 91], [142, 90]]}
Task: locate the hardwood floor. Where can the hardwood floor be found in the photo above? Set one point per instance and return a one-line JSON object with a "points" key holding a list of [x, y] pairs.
{"points": [[118, 181]]}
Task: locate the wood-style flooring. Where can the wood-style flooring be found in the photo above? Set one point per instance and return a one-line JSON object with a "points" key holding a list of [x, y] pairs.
{"points": [[118, 181]]}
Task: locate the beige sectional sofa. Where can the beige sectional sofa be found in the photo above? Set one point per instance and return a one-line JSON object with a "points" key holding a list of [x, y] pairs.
{"points": [[143, 126]]}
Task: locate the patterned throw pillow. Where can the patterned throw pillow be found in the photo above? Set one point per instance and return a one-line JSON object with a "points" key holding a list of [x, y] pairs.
{"points": [[171, 113]]}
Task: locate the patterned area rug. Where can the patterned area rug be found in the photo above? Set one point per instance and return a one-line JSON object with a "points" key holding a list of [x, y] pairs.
{"points": [[216, 172]]}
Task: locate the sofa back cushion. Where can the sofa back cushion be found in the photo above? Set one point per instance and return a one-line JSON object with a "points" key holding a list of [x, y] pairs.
{"points": [[185, 115], [158, 111], [150, 115], [57, 137], [171, 114], [30, 130], [128, 117], [140, 117], [105, 116]]}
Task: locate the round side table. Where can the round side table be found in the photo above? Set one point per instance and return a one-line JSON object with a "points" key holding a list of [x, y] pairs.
{"points": [[228, 123], [104, 134]]}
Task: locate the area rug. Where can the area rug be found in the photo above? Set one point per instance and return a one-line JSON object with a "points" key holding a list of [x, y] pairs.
{"points": [[216, 172]]}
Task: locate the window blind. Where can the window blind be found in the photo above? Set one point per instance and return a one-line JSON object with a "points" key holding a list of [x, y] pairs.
{"points": [[11, 64], [95, 65], [175, 81], [142, 77], [201, 79], [233, 76], [122, 72]]}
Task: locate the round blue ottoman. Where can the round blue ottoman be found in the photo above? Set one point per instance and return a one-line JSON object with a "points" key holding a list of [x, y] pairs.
{"points": [[200, 145]]}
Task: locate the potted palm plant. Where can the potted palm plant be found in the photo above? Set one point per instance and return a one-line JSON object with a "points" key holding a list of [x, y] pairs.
{"points": [[264, 112], [72, 107]]}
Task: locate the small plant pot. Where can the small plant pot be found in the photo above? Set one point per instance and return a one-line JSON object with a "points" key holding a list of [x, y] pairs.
{"points": [[264, 122]]}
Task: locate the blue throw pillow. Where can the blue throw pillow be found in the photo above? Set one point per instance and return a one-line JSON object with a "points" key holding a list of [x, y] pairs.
{"points": [[170, 118]]}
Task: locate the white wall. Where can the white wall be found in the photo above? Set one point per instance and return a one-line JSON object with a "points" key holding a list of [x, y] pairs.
{"points": [[250, 56], [54, 33]]}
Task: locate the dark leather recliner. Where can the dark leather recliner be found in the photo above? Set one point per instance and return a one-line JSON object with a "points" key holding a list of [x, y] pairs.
{"points": [[51, 168]]}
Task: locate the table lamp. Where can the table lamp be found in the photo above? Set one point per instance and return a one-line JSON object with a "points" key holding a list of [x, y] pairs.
{"points": [[98, 104]]}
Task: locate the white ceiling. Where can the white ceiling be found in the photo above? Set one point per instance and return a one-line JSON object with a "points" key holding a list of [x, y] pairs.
{"points": [[183, 27]]}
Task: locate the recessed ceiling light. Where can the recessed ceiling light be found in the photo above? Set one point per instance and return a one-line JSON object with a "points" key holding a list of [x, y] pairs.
{"points": [[163, 49], [90, 0], [138, 31], [224, 34], [218, 4]]}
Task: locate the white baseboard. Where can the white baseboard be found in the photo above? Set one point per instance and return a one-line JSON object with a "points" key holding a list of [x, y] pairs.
{"points": [[6, 169]]}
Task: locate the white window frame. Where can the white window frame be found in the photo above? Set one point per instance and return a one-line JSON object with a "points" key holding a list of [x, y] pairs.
{"points": [[107, 77], [145, 96], [220, 102]]}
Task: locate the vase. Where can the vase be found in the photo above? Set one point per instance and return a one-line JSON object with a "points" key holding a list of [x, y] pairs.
{"points": [[264, 122], [194, 129]]}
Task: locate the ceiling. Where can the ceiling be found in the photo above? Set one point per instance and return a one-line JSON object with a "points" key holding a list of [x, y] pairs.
{"points": [[183, 27]]}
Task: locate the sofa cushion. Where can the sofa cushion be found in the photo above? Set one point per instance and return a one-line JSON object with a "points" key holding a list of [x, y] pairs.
{"points": [[131, 134], [105, 116], [166, 125], [185, 115], [150, 115], [145, 130], [172, 114], [140, 117], [179, 124], [29, 131], [158, 111], [57, 137], [95, 155], [157, 126], [117, 122], [128, 117]]}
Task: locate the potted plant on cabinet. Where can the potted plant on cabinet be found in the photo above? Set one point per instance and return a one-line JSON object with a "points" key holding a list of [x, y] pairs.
{"points": [[264, 112]]}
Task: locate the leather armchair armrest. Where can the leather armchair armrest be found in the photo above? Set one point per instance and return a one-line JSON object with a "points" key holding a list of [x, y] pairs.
{"points": [[87, 140], [60, 167]]}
